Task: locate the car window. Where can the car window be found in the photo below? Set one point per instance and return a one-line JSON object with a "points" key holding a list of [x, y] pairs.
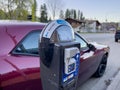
{"points": [[81, 41], [29, 45]]}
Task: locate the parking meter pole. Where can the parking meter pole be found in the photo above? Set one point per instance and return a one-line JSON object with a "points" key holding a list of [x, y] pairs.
{"points": [[59, 57]]}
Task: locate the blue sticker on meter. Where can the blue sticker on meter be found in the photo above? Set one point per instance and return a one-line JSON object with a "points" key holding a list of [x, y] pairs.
{"points": [[62, 22]]}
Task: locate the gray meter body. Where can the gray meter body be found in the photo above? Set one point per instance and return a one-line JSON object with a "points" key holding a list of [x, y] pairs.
{"points": [[59, 57]]}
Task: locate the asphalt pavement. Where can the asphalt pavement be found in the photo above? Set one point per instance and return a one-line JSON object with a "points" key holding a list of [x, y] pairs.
{"points": [[111, 78]]}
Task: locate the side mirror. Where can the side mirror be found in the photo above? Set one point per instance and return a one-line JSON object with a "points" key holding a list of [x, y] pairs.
{"points": [[91, 47]]}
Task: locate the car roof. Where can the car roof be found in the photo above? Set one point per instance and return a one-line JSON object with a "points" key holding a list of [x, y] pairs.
{"points": [[19, 22]]}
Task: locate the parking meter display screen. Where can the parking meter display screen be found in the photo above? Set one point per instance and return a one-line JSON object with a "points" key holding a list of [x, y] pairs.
{"points": [[65, 33], [71, 67]]}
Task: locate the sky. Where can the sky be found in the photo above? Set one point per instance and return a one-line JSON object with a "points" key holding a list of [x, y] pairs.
{"points": [[101, 10]]}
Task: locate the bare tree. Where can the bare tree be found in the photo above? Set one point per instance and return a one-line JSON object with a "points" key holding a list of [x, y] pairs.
{"points": [[15, 9], [54, 7], [22, 6], [7, 7]]}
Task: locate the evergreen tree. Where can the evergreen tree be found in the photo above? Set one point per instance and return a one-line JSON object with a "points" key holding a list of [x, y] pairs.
{"points": [[75, 14], [43, 13], [81, 16], [61, 14], [72, 13], [78, 17], [67, 13]]}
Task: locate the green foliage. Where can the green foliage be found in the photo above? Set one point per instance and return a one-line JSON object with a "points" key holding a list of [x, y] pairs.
{"points": [[72, 13], [16, 9], [2, 14], [22, 15], [67, 14], [80, 15], [34, 6]]}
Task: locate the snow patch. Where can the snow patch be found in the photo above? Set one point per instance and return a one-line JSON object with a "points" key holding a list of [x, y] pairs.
{"points": [[98, 46], [86, 55]]}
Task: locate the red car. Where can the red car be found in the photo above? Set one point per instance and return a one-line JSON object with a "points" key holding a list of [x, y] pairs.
{"points": [[19, 56]]}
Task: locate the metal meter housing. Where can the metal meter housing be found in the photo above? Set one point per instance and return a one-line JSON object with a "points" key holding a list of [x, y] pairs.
{"points": [[59, 56]]}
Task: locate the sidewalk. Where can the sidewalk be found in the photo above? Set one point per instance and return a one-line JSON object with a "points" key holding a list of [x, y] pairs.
{"points": [[115, 85]]}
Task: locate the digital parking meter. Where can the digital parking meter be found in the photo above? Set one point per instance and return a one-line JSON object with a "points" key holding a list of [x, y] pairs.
{"points": [[59, 57]]}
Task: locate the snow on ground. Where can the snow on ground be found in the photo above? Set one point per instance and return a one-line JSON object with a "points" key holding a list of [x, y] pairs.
{"points": [[115, 85]]}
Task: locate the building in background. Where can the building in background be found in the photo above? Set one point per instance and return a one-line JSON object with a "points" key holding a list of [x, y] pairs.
{"points": [[76, 24], [109, 26], [92, 26], [85, 25]]}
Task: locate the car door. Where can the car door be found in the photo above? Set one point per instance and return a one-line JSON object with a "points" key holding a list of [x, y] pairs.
{"points": [[23, 65], [87, 60]]}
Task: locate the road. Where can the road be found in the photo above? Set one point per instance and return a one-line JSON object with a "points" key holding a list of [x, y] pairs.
{"points": [[113, 66]]}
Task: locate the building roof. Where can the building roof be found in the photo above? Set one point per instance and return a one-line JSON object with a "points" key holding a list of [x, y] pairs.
{"points": [[91, 21], [70, 20]]}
